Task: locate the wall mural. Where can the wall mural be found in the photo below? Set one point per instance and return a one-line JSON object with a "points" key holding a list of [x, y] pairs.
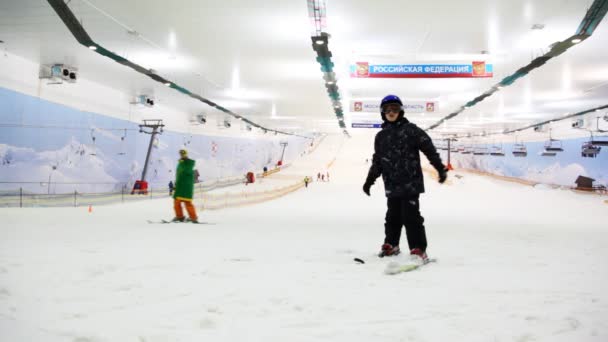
{"points": [[555, 161], [89, 152]]}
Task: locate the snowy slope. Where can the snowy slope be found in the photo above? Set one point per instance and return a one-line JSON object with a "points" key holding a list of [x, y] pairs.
{"points": [[515, 263]]}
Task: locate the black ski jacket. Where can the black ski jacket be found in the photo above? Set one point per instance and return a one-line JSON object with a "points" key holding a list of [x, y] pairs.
{"points": [[397, 158]]}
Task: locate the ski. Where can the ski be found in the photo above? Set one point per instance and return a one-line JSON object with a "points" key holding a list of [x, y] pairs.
{"points": [[395, 267], [167, 222]]}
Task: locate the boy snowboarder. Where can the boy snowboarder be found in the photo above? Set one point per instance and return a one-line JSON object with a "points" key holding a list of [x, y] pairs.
{"points": [[397, 158]]}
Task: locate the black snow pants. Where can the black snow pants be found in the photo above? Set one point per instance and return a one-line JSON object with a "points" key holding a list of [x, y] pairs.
{"points": [[404, 211]]}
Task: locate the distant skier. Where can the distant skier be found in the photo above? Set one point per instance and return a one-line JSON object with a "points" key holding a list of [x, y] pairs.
{"points": [[397, 158], [306, 181], [171, 187], [197, 176], [184, 188]]}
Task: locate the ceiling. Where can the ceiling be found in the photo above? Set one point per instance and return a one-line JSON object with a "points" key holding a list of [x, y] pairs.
{"points": [[255, 57]]}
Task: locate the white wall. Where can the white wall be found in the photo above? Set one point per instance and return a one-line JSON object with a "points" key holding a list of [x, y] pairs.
{"points": [[19, 74]]}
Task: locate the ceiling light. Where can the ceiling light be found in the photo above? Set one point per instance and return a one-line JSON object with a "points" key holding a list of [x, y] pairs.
{"points": [[576, 40], [93, 47]]}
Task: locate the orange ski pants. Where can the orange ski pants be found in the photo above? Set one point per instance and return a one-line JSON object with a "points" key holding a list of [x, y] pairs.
{"points": [[179, 213]]}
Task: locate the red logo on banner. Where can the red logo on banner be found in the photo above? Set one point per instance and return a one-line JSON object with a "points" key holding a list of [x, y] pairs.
{"points": [[479, 69], [362, 69], [430, 106], [358, 106]]}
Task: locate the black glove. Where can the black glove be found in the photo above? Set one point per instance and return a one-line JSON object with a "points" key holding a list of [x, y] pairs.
{"points": [[443, 175], [366, 188]]}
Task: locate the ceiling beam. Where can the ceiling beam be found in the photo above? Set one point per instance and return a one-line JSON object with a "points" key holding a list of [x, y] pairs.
{"points": [[81, 35], [594, 16]]}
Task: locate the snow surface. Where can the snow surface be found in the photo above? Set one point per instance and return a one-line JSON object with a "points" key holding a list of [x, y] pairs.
{"points": [[516, 263]]}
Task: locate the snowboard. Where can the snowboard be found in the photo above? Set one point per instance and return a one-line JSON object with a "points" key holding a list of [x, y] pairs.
{"points": [[395, 267]]}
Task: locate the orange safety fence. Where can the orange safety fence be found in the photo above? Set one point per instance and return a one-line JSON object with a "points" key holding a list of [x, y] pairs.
{"points": [[504, 178], [236, 199], [433, 173]]}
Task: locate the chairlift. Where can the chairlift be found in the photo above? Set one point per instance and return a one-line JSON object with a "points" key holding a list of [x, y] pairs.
{"points": [[548, 153], [467, 150], [599, 142], [480, 151], [497, 151], [553, 145], [589, 150], [93, 153], [122, 151], [520, 150]]}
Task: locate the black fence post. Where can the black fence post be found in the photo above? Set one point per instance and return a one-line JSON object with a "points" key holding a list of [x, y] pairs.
{"points": [[20, 197], [75, 193], [123, 193]]}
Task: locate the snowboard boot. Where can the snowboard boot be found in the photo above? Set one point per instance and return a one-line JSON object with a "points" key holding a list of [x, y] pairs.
{"points": [[419, 252], [192, 220], [388, 250], [178, 219]]}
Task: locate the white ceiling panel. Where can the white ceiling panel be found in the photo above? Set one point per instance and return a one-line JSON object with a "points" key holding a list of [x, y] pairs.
{"points": [[252, 55]]}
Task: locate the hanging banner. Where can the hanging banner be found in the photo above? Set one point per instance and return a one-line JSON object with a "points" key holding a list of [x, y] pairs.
{"points": [[473, 69], [369, 106]]}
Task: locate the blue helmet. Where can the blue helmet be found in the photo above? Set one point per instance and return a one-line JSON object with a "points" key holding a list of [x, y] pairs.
{"points": [[388, 99]]}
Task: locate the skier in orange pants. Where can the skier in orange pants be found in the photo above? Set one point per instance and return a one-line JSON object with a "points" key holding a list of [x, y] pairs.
{"points": [[184, 188]]}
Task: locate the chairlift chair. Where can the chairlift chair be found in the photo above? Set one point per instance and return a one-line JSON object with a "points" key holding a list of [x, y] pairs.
{"points": [[122, 151], [497, 151], [599, 142], [520, 150], [93, 138], [480, 151], [589, 150], [553, 145], [548, 153]]}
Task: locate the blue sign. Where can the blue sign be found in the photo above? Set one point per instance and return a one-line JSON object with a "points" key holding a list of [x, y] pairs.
{"points": [[366, 125], [474, 69]]}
